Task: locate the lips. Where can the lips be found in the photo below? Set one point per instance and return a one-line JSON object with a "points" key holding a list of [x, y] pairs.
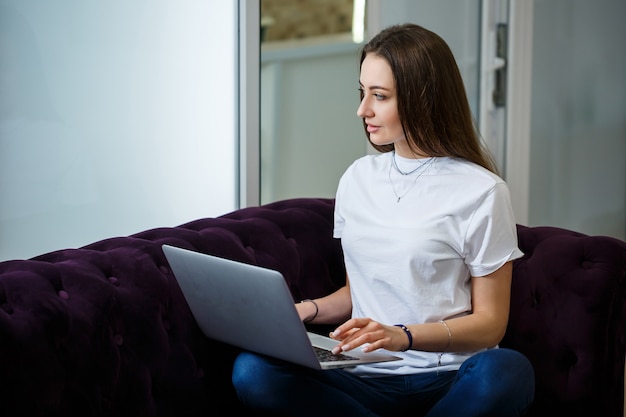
{"points": [[372, 128]]}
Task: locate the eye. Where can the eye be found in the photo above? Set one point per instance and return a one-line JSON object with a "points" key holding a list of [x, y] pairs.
{"points": [[377, 96]]}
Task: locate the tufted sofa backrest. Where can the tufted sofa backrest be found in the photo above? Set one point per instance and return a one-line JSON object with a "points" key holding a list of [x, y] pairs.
{"points": [[103, 330]]}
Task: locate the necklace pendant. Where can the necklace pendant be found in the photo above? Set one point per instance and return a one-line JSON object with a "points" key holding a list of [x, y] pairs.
{"points": [[424, 167]]}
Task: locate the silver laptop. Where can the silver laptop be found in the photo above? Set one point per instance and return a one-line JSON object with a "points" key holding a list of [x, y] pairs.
{"points": [[251, 307]]}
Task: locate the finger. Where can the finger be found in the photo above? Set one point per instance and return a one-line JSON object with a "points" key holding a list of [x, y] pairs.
{"points": [[340, 331], [344, 337], [369, 340], [346, 341]]}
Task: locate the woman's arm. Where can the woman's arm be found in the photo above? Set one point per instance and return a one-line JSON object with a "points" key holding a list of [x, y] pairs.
{"points": [[483, 328], [331, 309]]}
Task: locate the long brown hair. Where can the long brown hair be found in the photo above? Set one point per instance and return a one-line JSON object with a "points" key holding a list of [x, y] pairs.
{"points": [[432, 103]]}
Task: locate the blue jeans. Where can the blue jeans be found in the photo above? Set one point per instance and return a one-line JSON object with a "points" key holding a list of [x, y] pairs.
{"points": [[496, 382]]}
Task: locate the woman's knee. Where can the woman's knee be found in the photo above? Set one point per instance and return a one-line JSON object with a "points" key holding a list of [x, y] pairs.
{"points": [[502, 370], [248, 370], [493, 360], [496, 382], [265, 384]]}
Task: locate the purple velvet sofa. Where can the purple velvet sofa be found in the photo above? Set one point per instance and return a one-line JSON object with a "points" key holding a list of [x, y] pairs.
{"points": [[103, 330]]}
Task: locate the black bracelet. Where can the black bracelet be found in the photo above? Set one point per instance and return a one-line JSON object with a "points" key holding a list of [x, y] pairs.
{"points": [[408, 334], [317, 309]]}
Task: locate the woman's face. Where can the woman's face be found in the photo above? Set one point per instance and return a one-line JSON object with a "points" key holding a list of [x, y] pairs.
{"points": [[379, 105]]}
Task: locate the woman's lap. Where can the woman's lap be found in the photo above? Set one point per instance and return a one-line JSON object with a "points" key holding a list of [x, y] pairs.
{"points": [[500, 379]]}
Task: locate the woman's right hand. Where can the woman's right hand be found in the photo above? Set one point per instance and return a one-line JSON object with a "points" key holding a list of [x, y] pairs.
{"points": [[370, 334]]}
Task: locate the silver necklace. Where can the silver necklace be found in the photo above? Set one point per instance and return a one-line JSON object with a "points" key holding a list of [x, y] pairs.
{"points": [[395, 165], [425, 165]]}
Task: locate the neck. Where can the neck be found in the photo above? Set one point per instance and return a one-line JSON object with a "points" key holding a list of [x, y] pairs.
{"points": [[403, 149], [410, 154]]}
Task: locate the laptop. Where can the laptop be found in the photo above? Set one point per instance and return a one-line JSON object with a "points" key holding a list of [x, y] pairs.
{"points": [[252, 308]]}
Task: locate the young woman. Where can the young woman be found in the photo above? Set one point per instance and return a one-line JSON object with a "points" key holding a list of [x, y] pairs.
{"points": [[429, 237]]}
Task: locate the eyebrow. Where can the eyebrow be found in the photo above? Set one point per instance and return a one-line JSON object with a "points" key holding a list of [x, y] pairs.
{"points": [[375, 87]]}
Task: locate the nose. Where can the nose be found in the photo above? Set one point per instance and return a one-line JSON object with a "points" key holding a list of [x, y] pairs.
{"points": [[364, 110]]}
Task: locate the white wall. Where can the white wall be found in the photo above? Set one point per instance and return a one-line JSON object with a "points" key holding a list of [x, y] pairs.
{"points": [[115, 117], [578, 130]]}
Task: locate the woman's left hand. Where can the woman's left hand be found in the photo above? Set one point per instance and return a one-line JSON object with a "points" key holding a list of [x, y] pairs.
{"points": [[370, 334]]}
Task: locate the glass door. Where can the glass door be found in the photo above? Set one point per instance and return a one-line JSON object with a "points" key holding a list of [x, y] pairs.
{"points": [[309, 132]]}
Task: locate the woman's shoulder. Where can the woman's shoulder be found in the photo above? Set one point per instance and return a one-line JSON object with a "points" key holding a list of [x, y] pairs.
{"points": [[370, 162], [462, 167]]}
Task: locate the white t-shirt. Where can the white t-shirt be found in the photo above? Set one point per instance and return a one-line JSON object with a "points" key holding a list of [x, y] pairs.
{"points": [[410, 260]]}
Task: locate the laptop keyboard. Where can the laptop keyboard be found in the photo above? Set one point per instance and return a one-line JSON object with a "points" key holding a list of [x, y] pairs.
{"points": [[327, 356]]}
